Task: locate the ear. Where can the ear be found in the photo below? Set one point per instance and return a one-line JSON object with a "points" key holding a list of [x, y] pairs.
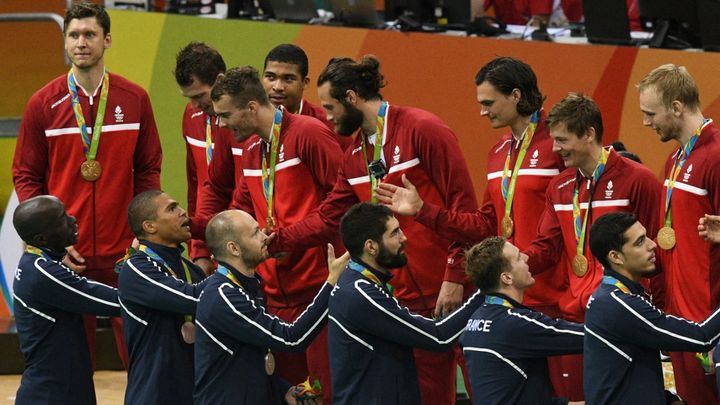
{"points": [[253, 105], [149, 227], [591, 134], [516, 95], [305, 82], [371, 247], [616, 258], [351, 97], [107, 42], [506, 278], [233, 249], [677, 108]]}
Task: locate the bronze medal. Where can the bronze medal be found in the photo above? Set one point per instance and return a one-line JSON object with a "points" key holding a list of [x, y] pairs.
{"points": [[90, 170], [188, 332], [580, 265], [506, 225], [269, 363], [666, 238], [269, 223]]}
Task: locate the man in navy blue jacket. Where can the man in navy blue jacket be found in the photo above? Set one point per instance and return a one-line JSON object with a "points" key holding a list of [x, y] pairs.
{"points": [[234, 361], [370, 336], [624, 331], [506, 344], [50, 300], [158, 295]]}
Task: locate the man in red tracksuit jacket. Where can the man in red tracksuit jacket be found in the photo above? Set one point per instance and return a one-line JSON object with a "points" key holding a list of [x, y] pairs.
{"points": [[403, 140], [98, 173], [290, 163], [670, 102], [197, 66], [575, 126]]}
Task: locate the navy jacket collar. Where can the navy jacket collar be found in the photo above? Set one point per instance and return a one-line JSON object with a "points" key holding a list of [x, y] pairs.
{"points": [[635, 288]]}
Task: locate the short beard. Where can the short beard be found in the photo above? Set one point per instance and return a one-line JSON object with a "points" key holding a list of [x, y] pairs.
{"points": [[389, 261], [351, 121]]}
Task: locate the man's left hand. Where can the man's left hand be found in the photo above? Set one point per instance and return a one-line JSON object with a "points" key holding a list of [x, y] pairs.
{"points": [[449, 299]]}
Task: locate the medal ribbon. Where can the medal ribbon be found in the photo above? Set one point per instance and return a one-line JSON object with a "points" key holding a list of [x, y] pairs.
{"points": [[509, 180], [494, 300], [680, 160], [369, 275], [579, 222], [610, 280], [208, 140], [90, 147], [227, 273], [268, 174], [377, 152], [151, 253], [37, 251]]}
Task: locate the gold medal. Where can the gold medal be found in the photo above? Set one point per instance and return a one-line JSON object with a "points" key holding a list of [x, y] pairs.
{"points": [[580, 265], [188, 332], [269, 223], [506, 225], [666, 238], [90, 170], [269, 363]]}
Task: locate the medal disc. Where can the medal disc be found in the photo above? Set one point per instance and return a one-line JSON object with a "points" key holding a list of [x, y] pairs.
{"points": [[188, 332], [580, 265], [269, 363], [90, 170], [507, 227], [666, 238], [269, 223]]}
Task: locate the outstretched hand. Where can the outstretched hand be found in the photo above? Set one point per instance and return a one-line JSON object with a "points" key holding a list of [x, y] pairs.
{"points": [[336, 265], [401, 200], [709, 228]]}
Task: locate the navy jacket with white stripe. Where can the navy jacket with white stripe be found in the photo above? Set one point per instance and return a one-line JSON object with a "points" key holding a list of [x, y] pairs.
{"points": [[624, 333], [371, 340], [506, 353], [50, 300], [154, 304], [234, 333]]}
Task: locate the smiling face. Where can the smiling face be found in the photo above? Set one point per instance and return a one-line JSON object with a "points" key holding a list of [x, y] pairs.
{"points": [[574, 150], [85, 42], [499, 108], [242, 121], [664, 121], [284, 84]]}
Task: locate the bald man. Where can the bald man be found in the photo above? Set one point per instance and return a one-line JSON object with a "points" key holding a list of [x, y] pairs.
{"points": [[236, 337], [50, 300]]}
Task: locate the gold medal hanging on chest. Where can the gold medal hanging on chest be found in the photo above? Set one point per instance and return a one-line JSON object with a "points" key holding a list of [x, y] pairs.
{"points": [[666, 238], [90, 170], [580, 265], [507, 226]]}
